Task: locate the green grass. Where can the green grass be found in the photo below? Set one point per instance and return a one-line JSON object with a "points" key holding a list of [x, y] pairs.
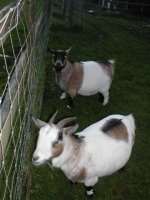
{"points": [[5, 2], [104, 37]]}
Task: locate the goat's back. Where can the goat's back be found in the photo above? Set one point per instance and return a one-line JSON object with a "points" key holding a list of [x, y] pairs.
{"points": [[106, 153], [95, 79]]}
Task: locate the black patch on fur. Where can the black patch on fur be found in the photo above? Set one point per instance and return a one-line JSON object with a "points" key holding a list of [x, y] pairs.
{"points": [[105, 62], [59, 68], [60, 136], [88, 188], [111, 124]]}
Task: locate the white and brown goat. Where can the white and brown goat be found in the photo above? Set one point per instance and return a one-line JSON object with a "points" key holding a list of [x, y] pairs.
{"points": [[99, 150], [83, 78]]}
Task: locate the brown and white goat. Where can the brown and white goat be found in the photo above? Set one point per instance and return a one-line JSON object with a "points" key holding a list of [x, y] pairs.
{"points": [[99, 150], [83, 78]]}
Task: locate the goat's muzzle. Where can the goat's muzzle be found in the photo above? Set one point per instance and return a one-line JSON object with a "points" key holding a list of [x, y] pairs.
{"points": [[37, 162], [58, 67]]}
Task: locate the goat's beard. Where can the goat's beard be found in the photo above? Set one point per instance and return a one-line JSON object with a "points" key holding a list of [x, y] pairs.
{"points": [[40, 163]]}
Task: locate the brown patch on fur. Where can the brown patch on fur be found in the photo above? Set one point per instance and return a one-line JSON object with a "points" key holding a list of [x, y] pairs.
{"points": [[79, 173], [107, 67], [80, 176], [63, 77], [118, 131], [72, 91], [57, 150], [75, 80], [70, 78], [76, 146]]}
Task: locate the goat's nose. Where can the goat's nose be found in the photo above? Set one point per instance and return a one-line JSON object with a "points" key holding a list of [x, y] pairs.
{"points": [[35, 158], [58, 63]]}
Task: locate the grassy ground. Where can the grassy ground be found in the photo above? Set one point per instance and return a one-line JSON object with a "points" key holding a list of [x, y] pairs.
{"points": [[104, 37], [4, 3]]}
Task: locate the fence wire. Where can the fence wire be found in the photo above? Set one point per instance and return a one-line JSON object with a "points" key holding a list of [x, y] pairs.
{"points": [[21, 79]]}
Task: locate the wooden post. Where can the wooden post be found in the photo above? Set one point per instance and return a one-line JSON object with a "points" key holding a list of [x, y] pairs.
{"points": [[103, 3]]}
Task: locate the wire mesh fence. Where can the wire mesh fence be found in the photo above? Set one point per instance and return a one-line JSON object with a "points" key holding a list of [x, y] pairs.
{"points": [[24, 28], [127, 7], [23, 40]]}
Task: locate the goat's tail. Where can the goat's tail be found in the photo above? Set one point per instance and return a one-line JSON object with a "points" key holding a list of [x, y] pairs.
{"points": [[112, 62], [130, 123]]}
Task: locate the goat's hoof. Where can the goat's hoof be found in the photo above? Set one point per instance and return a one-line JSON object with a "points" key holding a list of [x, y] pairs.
{"points": [[69, 107], [63, 96], [89, 194]]}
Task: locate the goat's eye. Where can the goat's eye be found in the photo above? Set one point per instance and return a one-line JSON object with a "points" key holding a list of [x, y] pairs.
{"points": [[60, 137]]}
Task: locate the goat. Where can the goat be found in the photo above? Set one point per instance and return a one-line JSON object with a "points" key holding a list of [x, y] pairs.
{"points": [[83, 78], [99, 150]]}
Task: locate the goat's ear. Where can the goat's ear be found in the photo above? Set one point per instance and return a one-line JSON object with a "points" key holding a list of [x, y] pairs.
{"points": [[68, 50], [52, 51], [71, 129], [39, 123], [65, 121]]}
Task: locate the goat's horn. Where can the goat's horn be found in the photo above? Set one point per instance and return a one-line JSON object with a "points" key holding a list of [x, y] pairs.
{"points": [[51, 51], [68, 50], [39, 123], [53, 118], [65, 121]]}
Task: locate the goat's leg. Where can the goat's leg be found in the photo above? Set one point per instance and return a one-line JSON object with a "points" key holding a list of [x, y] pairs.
{"points": [[89, 184], [89, 191], [100, 97], [106, 97], [70, 102]]}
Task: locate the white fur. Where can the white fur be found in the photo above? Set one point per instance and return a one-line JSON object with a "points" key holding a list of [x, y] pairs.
{"points": [[47, 135], [63, 95], [100, 155], [95, 79], [90, 192]]}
